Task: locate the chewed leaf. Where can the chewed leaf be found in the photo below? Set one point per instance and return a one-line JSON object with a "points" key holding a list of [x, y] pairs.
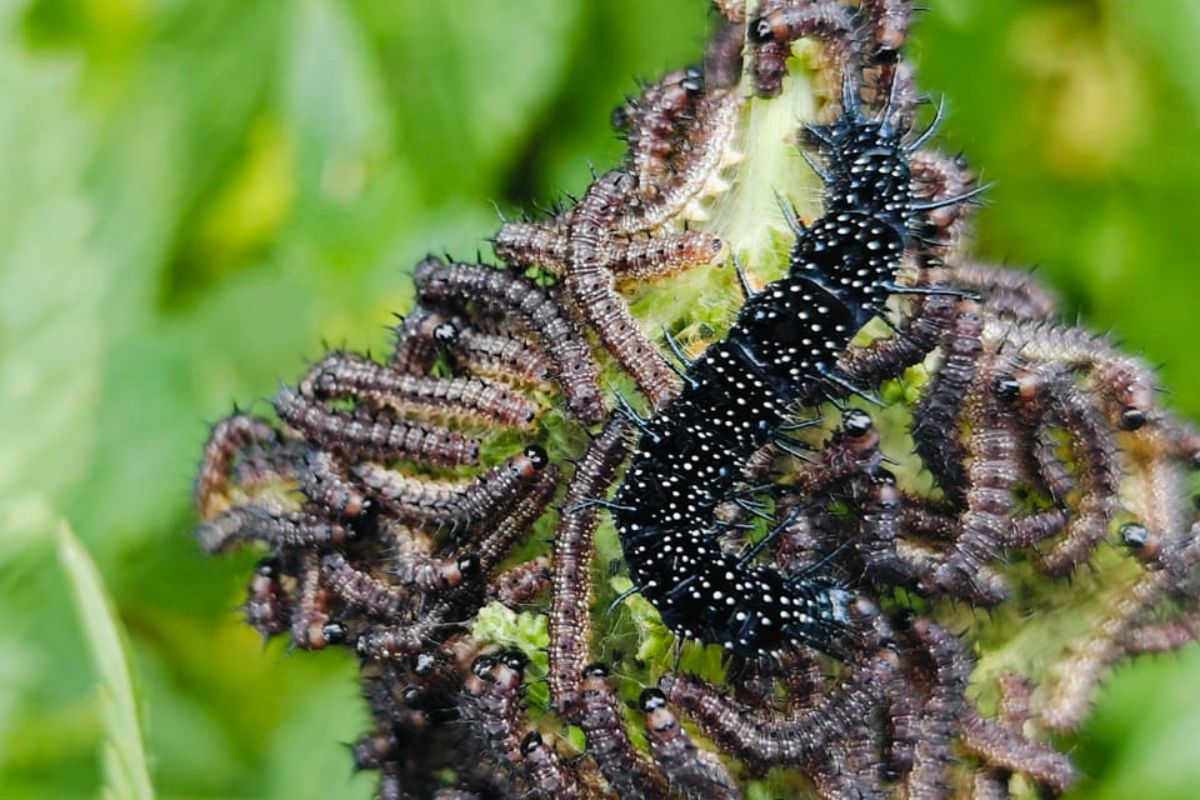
{"points": [[125, 768]]}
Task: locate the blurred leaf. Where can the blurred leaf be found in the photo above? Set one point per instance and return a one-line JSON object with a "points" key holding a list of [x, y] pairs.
{"points": [[124, 757]]}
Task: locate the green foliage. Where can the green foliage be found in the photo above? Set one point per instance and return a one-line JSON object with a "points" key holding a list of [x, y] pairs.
{"points": [[195, 194]]}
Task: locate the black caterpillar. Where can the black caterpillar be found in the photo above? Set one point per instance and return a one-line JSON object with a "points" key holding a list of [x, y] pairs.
{"points": [[780, 352]]}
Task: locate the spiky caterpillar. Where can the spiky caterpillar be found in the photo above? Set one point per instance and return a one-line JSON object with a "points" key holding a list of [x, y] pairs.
{"points": [[781, 351]]}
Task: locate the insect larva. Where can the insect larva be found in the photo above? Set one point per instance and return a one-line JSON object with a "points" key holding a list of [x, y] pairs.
{"points": [[312, 628], [852, 766], [229, 438], [467, 401], [375, 749], [495, 546], [360, 591], [417, 341], [324, 483], [500, 356], [764, 740], [273, 527], [366, 436], [870, 364], [706, 148], [879, 528], [890, 20], [781, 22], [1000, 747], [935, 177], [266, 609], [451, 503], [901, 714], [536, 311], [590, 285], [1067, 699], [628, 258], [551, 778], [691, 771], [654, 119], [1127, 385], [723, 57], [1165, 635], [445, 617], [663, 254], [936, 428], [628, 772], [430, 574], [570, 622], [992, 472], [1030, 529], [1098, 475], [541, 244], [492, 701], [943, 707], [1007, 291], [521, 584]]}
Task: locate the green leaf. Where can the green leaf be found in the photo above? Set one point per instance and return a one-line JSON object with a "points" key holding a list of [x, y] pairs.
{"points": [[124, 755]]}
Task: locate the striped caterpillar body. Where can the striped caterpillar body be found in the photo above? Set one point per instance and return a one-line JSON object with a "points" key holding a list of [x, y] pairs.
{"points": [[781, 351]]}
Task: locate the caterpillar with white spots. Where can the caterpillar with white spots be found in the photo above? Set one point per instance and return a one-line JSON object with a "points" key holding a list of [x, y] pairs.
{"points": [[782, 351]]}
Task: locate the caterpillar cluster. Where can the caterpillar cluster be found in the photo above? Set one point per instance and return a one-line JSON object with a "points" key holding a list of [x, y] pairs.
{"points": [[397, 500]]}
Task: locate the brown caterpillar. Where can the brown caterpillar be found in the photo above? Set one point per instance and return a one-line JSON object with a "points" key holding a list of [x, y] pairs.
{"points": [[635, 259], [492, 702], [942, 709], [590, 286], [521, 584], [705, 150], [365, 436], [991, 474], [266, 604], [361, 591], [537, 312], [936, 430], [628, 772], [311, 625], [570, 622], [273, 527], [453, 504], [324, 484], [552, 779], [763, 740], [465, 401], [229, 438], [431, 574], [782, 22], [444, 617], [691, 771], [653, 121], [1000, 747]]}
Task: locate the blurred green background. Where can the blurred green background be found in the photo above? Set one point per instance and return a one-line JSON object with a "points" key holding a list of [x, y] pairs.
{"points": [[195, 194]]}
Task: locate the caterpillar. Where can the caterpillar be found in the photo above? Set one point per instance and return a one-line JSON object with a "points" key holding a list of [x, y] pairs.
{"points": [[628, 771], [466, 401], [374, 435], [454, 504], [498, 291], [693, 772], [782, 350]]}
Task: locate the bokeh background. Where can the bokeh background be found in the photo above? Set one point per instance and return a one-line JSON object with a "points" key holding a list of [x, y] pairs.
{"points": [[196, 194]]}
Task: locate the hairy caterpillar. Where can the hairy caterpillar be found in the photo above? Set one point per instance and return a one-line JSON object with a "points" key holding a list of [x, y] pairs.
{"points": [[782, 350]]}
